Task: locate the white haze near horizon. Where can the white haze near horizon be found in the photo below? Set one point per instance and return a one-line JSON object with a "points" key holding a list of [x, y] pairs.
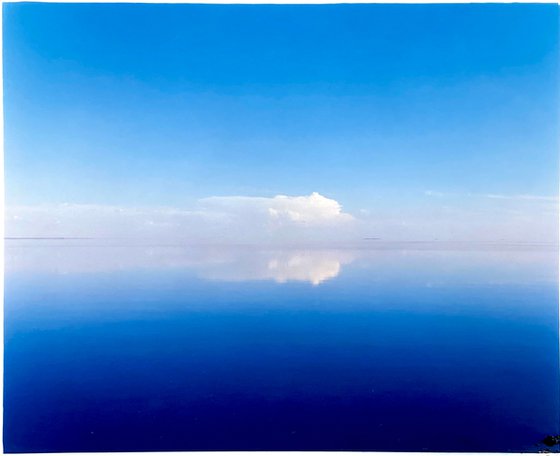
{"points": [[431, 264], [287, 219]]}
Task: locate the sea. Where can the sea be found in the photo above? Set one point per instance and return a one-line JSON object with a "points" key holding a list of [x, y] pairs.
{"points": [[370, 346]]}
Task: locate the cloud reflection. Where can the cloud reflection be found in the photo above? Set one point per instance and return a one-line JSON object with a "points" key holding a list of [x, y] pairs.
{"points": [[313, 266], [437, 264], [212, 263]]}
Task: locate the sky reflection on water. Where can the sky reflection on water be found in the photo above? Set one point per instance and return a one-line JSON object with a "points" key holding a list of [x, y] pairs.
{"points": [[415, 347]]}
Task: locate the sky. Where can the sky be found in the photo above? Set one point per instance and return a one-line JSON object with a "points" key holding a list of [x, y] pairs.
{"points": [[290, 122]]}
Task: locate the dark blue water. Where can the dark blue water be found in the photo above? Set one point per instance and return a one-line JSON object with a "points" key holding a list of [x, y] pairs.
{"points": [[112, 348]]}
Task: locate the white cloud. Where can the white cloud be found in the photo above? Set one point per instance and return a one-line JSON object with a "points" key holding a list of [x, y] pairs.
{"points": [[214, 219], [520, 197], [499, 196], [297, 220], [432, 193], [314, 209]]}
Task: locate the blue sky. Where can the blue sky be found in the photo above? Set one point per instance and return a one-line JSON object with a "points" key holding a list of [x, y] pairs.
{"points": [[375, 106]]}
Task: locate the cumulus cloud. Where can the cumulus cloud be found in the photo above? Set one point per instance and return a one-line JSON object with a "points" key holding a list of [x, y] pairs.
{"points": [[314, 209], [288, 220], [228, 218]]}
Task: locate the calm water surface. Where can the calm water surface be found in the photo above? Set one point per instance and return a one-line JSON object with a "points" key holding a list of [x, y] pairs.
{"points": [[376, 347]]}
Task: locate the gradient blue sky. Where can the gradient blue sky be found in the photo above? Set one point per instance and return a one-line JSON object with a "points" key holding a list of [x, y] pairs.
{"points": [[375, 106]]}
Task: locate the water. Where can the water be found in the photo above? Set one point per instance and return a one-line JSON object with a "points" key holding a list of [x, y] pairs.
{"points": [[110, 347]]}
